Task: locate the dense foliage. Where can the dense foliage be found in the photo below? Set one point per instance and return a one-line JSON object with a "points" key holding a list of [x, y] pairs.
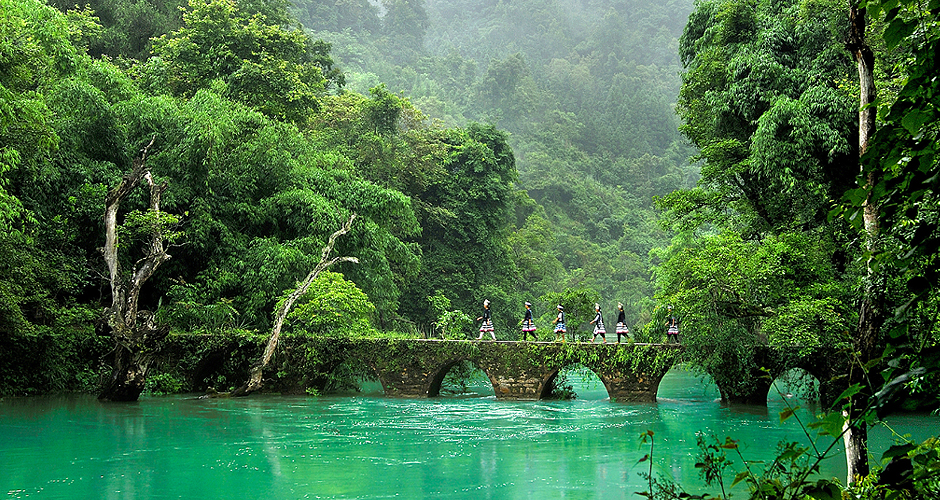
{"points": [[265, 153], [770, 247], [255, 193], [767, 97]]}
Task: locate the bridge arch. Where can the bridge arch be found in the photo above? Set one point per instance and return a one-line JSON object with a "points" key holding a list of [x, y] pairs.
{"points": [[548, 383], [821, 365], [440, 374], [683, 381], [524, 370], [349, 375], [795, 383], [752, 377]]}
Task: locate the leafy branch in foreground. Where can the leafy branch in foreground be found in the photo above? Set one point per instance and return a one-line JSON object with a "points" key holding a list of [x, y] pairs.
{"points": [[910, 470]]}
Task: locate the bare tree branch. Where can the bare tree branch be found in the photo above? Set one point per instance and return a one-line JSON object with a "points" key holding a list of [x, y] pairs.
{"points": [[255, 378], [112, 204]]}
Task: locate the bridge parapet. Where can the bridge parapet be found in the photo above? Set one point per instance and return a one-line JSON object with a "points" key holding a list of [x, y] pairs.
{"points": [[516, 370]]}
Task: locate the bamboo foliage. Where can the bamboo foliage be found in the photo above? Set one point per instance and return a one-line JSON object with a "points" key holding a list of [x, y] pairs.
{"points": [[255, 378]]}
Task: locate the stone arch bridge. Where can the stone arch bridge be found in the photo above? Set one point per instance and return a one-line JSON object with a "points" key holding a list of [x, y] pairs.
{"points": [[416, 368]]}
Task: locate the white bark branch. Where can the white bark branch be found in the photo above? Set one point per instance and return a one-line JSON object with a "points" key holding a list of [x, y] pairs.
{"points": [[129, 181], [255, 379], [134, 333]]}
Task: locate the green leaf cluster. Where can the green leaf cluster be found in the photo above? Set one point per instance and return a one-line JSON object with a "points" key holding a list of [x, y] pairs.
{"points": [[332, 306], [264, 65], [755, 259]]}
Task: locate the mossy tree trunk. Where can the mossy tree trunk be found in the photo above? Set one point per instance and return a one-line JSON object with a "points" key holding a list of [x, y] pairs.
{"points": [[136, 337]]}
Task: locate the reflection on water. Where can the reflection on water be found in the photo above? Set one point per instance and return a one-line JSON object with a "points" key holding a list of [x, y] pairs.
{"points": [[371, 447]]}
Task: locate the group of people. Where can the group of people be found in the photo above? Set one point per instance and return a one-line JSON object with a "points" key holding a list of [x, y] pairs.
{"points": [[528, 325]]}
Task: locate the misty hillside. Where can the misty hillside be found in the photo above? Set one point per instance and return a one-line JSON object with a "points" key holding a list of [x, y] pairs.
{"points": [[521, 143], [586, 90]]}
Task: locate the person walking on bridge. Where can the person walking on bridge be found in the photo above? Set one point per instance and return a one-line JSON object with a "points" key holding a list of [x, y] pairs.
{"points": [[527, 324], [672, 330], [622, 323], [598, 323], [487, 325], [559, 323]]}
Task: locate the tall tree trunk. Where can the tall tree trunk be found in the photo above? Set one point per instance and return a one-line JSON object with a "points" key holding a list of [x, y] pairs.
{"points": [[871, 315], [136, 338], [255, 375]]}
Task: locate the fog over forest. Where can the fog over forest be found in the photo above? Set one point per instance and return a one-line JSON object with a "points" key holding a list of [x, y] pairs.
{"points": [[585, 89]]}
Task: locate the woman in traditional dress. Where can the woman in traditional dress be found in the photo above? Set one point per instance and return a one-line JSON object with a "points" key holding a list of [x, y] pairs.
{"points": [[598, 323], [487, 325], [622, 323], [672, 332], [527, 324], [559, 322]]}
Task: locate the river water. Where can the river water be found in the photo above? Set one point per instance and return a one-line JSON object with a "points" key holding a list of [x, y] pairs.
{"points": [[371, 447]]}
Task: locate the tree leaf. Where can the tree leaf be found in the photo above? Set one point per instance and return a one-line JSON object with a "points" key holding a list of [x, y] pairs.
{"points": [[830, 425], [914, 120], [851, 391], [824, 490], [897, 31], [740, 476], [897, 451]]}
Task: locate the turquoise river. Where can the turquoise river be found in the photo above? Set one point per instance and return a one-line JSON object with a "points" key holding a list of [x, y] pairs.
{"points": [[368, 446]]}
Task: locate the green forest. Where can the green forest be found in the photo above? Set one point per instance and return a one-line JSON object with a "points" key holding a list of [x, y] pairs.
{"points": [[480, 171], [767, 169]]}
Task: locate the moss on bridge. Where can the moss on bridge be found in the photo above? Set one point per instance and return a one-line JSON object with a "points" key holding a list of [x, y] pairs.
{"points": [[517, 370]]}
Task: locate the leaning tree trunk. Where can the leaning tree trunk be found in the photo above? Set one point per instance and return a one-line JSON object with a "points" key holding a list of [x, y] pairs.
{"points": [[136, 338], [871, 314], [255, 376]]}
